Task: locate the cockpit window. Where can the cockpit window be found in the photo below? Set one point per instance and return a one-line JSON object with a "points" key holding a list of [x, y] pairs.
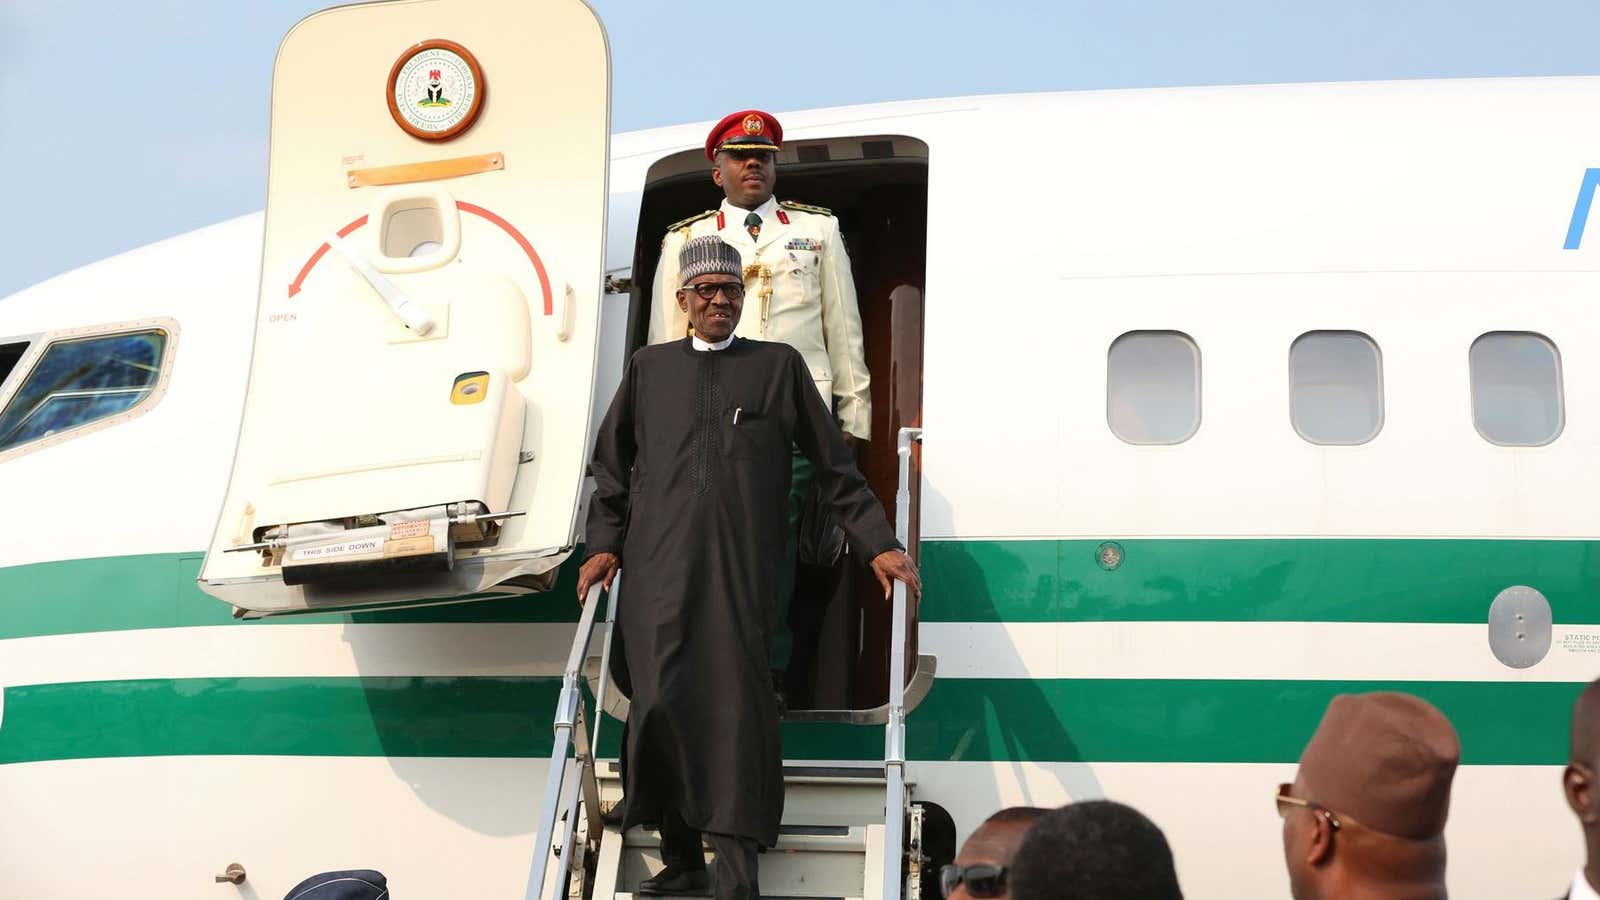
{"points": [[10, 355], [83, 380]]}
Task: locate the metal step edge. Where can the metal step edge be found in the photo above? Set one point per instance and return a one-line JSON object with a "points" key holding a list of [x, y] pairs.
{"points": [[613, 786], [812, 829], [802, 805], [607, 769], [629, 896], [854, 840], [791, 783], [825, 843], [804, 821]]}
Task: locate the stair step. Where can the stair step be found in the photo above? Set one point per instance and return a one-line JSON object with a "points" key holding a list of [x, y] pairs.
{"points": [[626, 896], [813, 805], [813, 795], [813, 838], [606, 769], [829, 843], [795, 868]]}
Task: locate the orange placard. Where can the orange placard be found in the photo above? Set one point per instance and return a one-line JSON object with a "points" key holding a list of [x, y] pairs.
{"points": [[433, 170]]}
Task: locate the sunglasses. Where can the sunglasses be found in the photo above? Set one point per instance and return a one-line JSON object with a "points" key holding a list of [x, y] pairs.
{"points": [[733, 290], [1285, 799], [981, 879]]}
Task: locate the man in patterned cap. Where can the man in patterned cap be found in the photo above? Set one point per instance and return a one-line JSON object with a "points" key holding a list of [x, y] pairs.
{"points": [[691, 466], [1365, 815], [797, 277]]}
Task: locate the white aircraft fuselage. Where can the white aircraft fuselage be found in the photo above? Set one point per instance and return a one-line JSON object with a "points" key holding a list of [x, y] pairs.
{"points": [[1132, 591]]}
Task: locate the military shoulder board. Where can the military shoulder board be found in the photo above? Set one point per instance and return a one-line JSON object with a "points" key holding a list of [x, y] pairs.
{"points": [[685, 223], [805, 207]]}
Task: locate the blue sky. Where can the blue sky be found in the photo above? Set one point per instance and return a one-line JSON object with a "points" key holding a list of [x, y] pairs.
{"points": [[129, 122]]}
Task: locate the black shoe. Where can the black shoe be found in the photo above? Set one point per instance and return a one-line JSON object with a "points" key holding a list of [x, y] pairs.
{"points": [[612, 818], [676, 881]]}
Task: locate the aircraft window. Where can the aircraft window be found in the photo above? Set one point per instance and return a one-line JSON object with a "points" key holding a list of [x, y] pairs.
{"points": [[79, 381], [1153, 387], [1516, 388], [1335, 387], [10, 355]]}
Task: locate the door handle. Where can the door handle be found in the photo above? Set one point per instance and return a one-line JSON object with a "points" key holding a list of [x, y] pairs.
{"points": [[567, 314]]}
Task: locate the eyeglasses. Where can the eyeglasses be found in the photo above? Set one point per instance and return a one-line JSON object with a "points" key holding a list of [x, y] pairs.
{"points": [[981, 879], [1335, 820], [733, 290]]}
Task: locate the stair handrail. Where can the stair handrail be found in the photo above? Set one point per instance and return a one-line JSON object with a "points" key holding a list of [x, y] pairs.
{"points": [[569, 715], [894, 740], [601, 689]]}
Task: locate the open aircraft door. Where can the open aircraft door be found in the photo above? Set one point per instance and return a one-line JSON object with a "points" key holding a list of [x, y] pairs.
{"points": [[416, 423]]}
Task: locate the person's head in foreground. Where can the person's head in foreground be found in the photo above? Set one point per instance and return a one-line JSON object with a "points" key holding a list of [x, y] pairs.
{"points": [[1579, 781], [1365, 815], [713, 287], [352, 884], [1095, 850], [982, 869]]}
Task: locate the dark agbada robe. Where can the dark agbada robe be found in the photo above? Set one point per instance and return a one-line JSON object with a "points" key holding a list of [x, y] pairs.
{"points": [[691, 469]]}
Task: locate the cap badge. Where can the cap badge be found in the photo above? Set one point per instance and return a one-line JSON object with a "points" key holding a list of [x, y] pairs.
{"points": [[753, 124]]}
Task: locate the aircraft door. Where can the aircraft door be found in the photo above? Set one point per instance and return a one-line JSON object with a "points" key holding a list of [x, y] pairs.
{"points": [[422, 381]]}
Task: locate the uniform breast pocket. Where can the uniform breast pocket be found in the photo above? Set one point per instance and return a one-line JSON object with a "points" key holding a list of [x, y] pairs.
{"points": [[748, 435], [805, 267]]}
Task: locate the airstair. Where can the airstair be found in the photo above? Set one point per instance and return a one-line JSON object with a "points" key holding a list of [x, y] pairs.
{"points": [[830, 844], [423, 378], [848, 830]]}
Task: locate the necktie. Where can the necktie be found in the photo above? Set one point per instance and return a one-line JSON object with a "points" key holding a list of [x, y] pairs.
{"points": [[752, 224]]}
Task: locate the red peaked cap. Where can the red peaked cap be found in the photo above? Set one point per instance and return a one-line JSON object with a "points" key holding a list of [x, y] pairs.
{"points": [[747, 129]]}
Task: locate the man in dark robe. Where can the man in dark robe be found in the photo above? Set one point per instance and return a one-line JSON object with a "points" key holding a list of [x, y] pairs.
{"points": [[692, 466]]}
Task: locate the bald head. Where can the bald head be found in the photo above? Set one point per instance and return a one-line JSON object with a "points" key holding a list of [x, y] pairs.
{"points": [[995, 843], [1585, 743], [1001, 834], [1581, 780]]}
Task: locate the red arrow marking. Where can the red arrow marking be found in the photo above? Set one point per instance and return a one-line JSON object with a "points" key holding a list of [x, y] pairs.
{"points": [[294, 286], [507, 227], [538, 265]]}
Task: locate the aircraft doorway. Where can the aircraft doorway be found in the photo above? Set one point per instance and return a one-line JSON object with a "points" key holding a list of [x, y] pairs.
{"points": [[877, 187]]}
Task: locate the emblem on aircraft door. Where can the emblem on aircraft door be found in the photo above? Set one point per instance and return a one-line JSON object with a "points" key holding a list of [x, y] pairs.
{"points": [[436, 89]]}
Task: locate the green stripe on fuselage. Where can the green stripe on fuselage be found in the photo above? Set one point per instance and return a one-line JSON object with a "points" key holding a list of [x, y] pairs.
{"points": [[1188, 580], [1253, 580], [1213, 721], [400, 716], [388, 716], [963, 720], [118, 593]]}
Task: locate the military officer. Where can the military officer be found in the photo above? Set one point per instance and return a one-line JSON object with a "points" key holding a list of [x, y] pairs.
{"points": [[798, 291]]}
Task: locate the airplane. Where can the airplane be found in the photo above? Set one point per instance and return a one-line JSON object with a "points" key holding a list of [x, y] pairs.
{"points": [[1212, 403]]}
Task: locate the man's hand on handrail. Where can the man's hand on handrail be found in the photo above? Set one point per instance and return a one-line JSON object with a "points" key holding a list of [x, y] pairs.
{"points": [[891, 566], [597, 569]]}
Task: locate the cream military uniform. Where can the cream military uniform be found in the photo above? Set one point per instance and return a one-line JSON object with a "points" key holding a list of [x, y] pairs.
{"points": [[798, 291]]}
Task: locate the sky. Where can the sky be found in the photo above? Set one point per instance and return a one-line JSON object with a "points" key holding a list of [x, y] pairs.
{"points": [[129, 122]]}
